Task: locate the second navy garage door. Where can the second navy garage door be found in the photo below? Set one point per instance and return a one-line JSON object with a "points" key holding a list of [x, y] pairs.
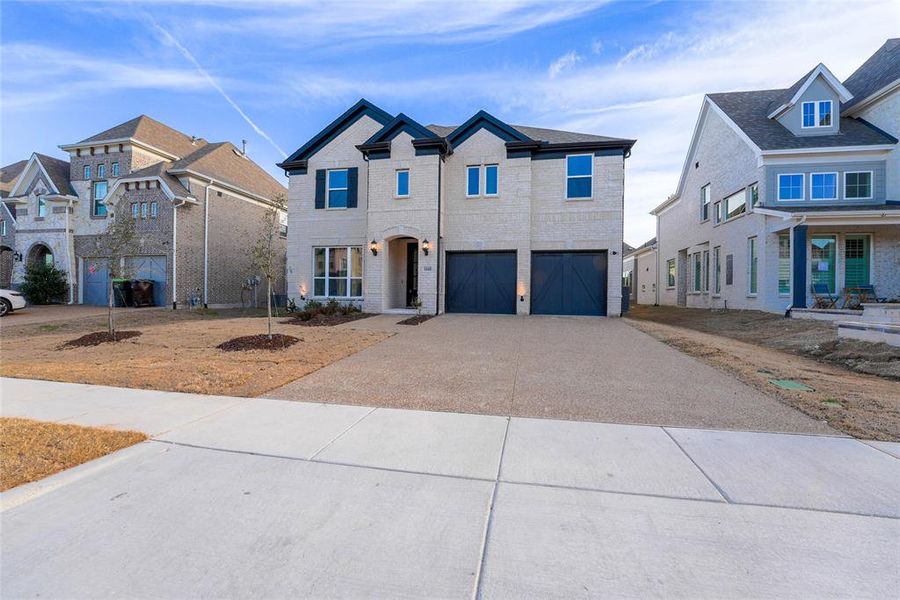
{"points": [[481, 282], [568, 283]]}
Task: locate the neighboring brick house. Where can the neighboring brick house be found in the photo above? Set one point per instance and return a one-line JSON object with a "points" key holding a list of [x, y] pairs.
{"points": [[198, 206], [782, 189], [639, 273], [483, 217]]}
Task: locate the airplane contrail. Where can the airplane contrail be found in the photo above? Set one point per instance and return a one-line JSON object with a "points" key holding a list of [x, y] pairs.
{"points": [[169, 38]]}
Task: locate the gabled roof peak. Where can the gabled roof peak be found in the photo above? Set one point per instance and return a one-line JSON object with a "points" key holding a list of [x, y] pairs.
{"points": [[400, 123], [484, 120], [793, 93]]}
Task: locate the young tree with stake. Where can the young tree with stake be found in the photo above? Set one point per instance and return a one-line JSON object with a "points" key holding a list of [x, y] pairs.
{"points": [[266, 253], [117, 242]]}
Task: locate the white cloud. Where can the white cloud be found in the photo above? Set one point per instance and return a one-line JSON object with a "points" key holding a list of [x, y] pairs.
{"points": [[564, 62], [596, 46]]}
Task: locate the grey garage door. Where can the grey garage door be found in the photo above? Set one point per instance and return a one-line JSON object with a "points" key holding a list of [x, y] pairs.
{"points": [[152, 268], [568, 283], [481, 282], [95, 281]]}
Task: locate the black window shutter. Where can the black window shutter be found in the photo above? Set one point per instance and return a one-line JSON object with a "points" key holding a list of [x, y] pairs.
{"points": [[320, 188], [352, 186]]}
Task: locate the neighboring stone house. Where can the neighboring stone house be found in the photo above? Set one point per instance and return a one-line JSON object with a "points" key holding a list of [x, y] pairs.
{"points": [[782, 189], [484, 217], [639, 273], [199, 207]]}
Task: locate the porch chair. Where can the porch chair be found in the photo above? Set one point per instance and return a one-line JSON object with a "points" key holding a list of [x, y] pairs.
{"points": [[867, 294], [822, 297]]}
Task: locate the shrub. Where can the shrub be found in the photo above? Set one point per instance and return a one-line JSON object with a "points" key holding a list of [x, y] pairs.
{"points": [[44, 284], [332, 307], [312, 306]]}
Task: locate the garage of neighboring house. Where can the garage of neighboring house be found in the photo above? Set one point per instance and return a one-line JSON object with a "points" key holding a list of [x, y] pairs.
{"points": [[569, 283], [94, 281], [481, 282], [152, 268]]}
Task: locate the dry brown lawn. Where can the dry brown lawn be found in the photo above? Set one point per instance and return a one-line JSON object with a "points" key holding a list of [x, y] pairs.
{"points": [[756, 348], [176, 352], [31, 450]]}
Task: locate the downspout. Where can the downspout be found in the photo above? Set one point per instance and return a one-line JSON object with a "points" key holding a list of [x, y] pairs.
{"points": [[206, 249], [69, 255], [437, 287], [658, 271], [175, 255]]}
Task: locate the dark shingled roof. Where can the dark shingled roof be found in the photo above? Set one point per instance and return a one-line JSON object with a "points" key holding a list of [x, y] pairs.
{"points": [[881, 69], [785, 96], [151, 132], [750, 110], [551, 136], [58, 170], [224, 162], [9, 175], [643, 246]]}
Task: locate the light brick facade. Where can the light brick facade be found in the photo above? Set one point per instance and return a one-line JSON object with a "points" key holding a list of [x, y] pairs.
{"points": [[529, 213]]}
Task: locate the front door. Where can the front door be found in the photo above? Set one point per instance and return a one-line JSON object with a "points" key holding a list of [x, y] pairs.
{"points": [[412, 273]]}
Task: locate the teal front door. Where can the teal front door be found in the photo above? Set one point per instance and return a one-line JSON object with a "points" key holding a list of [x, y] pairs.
{"points": [[857, 260]]}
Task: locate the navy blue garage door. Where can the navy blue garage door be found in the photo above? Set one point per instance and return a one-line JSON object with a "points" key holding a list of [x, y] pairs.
{"points": [[152, 268], [481, 282], [95, 281], [568, 283]]}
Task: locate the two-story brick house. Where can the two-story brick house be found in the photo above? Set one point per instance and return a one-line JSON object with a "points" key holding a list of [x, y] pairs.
{"points": [[198, 208], [485, 217], [782, 189]]}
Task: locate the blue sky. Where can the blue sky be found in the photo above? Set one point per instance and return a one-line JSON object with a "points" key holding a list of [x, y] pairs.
{"points": [[276, 72]]}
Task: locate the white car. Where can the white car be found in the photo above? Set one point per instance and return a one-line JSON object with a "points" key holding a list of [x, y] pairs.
{"points": [[10, 301]]}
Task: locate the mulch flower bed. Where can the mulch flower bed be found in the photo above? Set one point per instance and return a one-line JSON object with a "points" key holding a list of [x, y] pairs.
{"points": [[416, 320], [322, 320], [100, 337], [278, 341]]}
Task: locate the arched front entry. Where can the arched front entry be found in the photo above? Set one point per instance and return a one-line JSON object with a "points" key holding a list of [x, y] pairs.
{"points": [[402, 284], [6, 266], [40, 254]]}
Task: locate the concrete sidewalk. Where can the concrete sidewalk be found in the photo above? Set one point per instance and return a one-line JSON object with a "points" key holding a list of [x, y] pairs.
{"points": [[237, 498]]}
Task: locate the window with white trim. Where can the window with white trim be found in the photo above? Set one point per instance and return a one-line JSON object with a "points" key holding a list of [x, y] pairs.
{"points": [[706, 271], [816, 114], [753, 192], [579, 176], [670, 273], [41, 207], [790, 186], [491, 180], [145, 210], [696, 273], [858, 185], [87, 171], [717, 270], [98, 208], [402, 188], [337, 272], [717, 212], [473, 180], [338, 188], [735, 205], [101, 171], [752, 266], [115, 169], [784, 264], [135, 210], [154, 209], [3, 227], [823, 186], [704, 202]]}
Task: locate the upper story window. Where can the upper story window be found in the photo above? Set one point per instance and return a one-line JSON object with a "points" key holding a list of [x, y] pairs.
{"points": [[790, 186], [491, 182], [282, 224], [135, 210], [97, 207], [579, 176], [823, 186], [753, 190], [473, 180], [735, 204], [337, 188], [816, 114], [41, 207], [3, 227], [87, 171], [704, 203], [858, 185], [101, 171], [154, 209], [717, 212], [115, 169], [402, 189]]}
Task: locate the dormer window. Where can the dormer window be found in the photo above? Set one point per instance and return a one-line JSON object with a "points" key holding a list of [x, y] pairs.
{"points": [[816, 114]]}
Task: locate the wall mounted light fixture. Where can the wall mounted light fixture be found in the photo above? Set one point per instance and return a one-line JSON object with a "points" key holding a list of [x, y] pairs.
{"points": [[426, 246], [373, 246], [17, 256]]}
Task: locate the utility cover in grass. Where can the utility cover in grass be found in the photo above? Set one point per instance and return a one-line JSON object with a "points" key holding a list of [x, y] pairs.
{"points": [[790, 384]]}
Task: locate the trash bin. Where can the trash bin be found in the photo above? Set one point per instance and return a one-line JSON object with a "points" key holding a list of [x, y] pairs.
{"points": [[142, 292], [121, 292]]}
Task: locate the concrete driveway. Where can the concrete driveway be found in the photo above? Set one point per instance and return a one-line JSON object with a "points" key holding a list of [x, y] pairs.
{"points": [[549, 367], [237, 497]]}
